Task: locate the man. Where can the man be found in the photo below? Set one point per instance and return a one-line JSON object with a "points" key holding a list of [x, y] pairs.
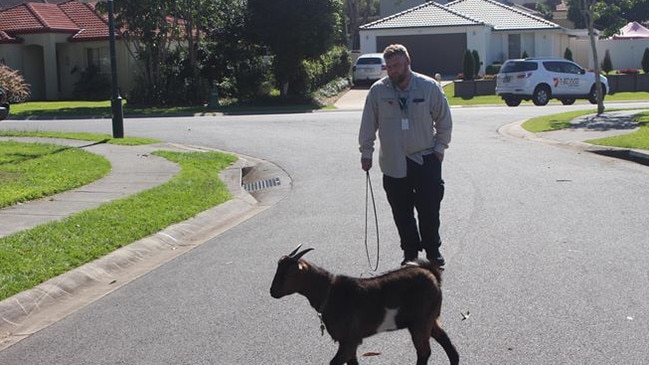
{"points": [[413, 120]]}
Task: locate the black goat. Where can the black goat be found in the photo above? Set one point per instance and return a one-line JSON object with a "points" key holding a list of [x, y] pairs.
{"points": [[353, 308]]}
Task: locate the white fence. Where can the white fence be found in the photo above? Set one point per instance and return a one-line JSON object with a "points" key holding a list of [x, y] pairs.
{"points": [[625, 53]]}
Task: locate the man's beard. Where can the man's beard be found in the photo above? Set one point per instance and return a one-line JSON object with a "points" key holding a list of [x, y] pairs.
{"points": [[397, 80]]}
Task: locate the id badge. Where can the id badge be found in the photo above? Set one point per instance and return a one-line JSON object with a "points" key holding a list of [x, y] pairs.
{"points": [[405, 124]]}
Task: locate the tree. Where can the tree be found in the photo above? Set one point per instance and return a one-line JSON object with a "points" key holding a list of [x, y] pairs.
{"points": [[586, 7], [567, 54], [468, 65], [357, 13], [645, 60], [610, 15], [229, 58], [476, 62], [163, 36], [607, 64], [295, 30]]}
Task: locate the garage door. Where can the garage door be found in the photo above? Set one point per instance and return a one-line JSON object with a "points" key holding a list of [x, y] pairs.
{"points": [[431, 53]]}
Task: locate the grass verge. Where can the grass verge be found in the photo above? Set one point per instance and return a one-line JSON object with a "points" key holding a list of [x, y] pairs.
{"points": [[635, 140], [92, 137], [31, 257], [35, 170]]}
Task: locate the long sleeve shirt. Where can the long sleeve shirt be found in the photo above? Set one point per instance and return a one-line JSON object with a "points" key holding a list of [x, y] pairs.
{"points": [[410, 123]]}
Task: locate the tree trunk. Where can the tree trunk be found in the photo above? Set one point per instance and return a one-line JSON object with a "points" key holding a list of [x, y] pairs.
{"points": [[588, 14]]}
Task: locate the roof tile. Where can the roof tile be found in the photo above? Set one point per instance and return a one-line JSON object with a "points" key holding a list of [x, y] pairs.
{"points": [[463, 13], [430, 14], [70, 16], [501, 16]]}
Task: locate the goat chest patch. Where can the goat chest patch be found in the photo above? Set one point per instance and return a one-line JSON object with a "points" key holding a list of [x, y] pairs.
{"points": [[389, 321]]}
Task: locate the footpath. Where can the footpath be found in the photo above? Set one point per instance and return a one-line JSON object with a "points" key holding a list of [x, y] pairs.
{"points": [[254, 184]]}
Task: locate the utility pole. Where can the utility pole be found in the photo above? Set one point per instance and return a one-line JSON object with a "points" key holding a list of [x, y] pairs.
{"points": [[116, 99]]}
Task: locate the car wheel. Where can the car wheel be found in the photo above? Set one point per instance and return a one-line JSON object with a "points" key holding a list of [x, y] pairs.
{"points": [[592, 97], [513, 101], [541, 95], [568, 101]]}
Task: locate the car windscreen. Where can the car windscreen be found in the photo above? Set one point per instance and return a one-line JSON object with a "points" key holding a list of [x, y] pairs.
{"points": [[521, 66], [368, 61]]}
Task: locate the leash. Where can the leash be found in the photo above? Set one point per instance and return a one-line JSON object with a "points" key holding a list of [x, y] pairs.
{"points": [[369, 191]]}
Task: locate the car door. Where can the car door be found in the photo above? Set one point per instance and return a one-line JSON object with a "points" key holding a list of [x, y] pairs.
{"points": [[569, 79]]}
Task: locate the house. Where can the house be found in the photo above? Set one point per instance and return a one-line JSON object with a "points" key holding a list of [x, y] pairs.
{"points": [[51, 43], [438, 35]]}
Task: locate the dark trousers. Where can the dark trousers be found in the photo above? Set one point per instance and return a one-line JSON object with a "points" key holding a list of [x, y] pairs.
{"points": [[422, 189]]}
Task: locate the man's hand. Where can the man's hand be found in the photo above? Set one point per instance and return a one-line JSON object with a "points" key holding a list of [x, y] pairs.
{"points": [[440, 156], [366, 164]]}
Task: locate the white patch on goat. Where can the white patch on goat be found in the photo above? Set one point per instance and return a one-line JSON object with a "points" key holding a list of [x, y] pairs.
{"points": [[389, 321]]}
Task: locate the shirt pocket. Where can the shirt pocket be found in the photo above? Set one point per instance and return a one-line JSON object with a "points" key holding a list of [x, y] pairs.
{"points": [[389, 108], [419, 106]]}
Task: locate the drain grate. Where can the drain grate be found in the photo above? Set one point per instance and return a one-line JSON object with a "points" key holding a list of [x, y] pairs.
{"points": [[263, 184]]}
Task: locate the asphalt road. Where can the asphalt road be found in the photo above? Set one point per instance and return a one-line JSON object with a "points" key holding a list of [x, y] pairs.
{"points": [[546, 247]]}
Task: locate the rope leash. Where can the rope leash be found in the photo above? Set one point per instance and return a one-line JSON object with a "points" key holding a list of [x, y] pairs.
{"points": [[370, 191]]}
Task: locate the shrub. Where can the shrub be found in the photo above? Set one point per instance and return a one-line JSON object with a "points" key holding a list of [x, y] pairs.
{"points": [[645, 60], [334, 64], [476, 62], [607, 64], [567, 54], [468, 67], [92, 85], [493, 69], [14, 84]]}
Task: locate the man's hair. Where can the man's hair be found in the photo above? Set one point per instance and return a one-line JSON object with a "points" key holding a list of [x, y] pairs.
{"points": [[395, 50]]}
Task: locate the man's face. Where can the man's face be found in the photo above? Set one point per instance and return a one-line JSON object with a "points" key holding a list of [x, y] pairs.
{"points": [[397, 66]]}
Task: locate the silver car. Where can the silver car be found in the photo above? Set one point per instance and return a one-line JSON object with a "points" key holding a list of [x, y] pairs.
{"points": [[369, 68]]}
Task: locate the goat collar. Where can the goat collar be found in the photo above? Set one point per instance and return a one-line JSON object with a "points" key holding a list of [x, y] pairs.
{"points": [[323, 305]]}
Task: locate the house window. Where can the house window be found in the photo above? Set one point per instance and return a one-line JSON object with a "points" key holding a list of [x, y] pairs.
{"points": [[514, 44], [98, 59]]}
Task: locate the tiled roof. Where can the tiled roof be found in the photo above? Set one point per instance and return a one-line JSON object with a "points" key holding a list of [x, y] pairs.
{"points": [[463, 13], [78, 19], [5, 4], [430, 14], [500, 16], [92, 25]]}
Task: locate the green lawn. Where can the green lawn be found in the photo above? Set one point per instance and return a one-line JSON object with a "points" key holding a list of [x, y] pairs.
{"points": [[35, 170], [33, 256]]}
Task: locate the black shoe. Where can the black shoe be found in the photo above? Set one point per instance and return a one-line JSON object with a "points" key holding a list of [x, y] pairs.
{"points": [[435, 257], [409, 256]]}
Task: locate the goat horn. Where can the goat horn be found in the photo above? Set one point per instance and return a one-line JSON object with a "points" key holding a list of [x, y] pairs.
{"points": [[301, 253], [294, 251]]}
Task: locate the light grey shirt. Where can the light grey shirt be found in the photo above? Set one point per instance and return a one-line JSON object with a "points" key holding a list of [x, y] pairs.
{"points": [[417, 125]]}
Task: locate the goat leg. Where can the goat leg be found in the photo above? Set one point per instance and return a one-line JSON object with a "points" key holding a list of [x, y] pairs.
{"points": [[346, 353], [421, 340], [442, 338]]}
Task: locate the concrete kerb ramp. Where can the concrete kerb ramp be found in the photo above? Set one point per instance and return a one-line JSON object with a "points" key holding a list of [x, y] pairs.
{"points": [[32, 310]]}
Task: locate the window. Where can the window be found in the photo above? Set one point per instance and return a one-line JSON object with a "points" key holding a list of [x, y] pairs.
{"points": [[98, 59], [514, 43]]}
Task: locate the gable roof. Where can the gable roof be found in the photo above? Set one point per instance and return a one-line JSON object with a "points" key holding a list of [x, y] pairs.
{"points": [[429, 14], [496, 15], [500, 16], [78, 19]]}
